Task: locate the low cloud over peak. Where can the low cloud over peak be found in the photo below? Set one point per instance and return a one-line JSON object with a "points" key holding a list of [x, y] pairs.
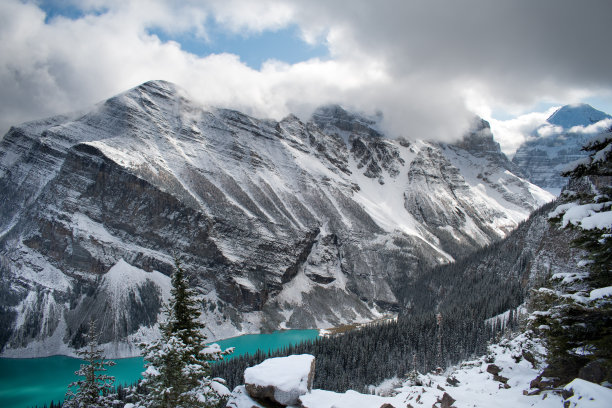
{"points": [[424, 64]]}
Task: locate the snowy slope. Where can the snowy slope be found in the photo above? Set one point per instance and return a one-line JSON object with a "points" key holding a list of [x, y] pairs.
{"points": [[286, 224], [501, 379]]}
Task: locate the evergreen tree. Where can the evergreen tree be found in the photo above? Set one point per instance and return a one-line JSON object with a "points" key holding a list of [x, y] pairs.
{"points": [[92, 391], [178, 364], [576, 322]]}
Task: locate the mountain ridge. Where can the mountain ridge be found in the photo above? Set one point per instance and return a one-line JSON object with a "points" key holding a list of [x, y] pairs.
{"points": [[280, 224], [559, 142]]}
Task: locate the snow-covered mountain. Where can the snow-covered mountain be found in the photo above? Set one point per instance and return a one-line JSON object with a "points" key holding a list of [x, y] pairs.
{"points": [[559, 142], [579, 114], [279, 224]]}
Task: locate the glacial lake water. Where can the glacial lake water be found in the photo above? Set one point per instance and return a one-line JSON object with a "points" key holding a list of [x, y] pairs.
{"points": [[27, 382]]}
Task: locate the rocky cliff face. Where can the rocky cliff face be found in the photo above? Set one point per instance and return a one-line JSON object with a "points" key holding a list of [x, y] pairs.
{"points": [[559, 142], [279, 224]]}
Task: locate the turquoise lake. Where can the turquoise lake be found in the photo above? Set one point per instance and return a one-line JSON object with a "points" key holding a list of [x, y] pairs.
{"points": [[26, 382]]}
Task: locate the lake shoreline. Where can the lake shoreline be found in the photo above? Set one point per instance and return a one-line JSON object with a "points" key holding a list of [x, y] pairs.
{"points": [[322, 333], [31, 381]]}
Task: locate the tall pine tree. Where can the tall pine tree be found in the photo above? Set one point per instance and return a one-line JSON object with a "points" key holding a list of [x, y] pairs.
{"points": [[92, 391], [178, 364]]}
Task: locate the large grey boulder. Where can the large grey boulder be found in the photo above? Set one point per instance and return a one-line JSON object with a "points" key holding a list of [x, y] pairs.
{"points": [[280, 380]]}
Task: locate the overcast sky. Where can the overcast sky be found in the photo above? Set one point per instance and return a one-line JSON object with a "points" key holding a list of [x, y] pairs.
{"points": [[427, 65]]}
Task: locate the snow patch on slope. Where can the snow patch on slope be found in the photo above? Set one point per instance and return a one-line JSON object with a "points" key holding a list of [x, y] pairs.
{"points": [[495, 187], [587, 395], [123, 277], [475, 386]]}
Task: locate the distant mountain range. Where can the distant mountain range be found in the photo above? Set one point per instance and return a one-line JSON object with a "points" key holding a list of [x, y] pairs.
{"points": [[559, 142], [286, 224]]}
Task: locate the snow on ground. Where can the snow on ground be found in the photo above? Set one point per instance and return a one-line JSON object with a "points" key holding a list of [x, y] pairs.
{"points": [[218, 328], [349, 399], [587, 395], [122, 277], [34, 269], [48, 346], [587, 216], [503, 318], [385, 202], [474, 386]]}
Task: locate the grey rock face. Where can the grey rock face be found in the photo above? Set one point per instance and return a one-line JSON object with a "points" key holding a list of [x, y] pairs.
{"points": [[279, 224], [480, 143], [542, 160], [335, 119]]}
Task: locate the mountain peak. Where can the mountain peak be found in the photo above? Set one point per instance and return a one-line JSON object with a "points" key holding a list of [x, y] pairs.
{"points": [[335, 117], [579, 114], [479, 139], [159, 84], [158, 87]]}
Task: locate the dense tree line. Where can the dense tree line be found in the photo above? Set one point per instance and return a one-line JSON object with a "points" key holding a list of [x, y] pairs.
{"points": [[487, 282], [366, 356], [464, 293], [481, 285]]}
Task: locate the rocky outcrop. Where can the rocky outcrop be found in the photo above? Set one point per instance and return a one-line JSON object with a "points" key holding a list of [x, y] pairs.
{"points": [[446, 401]]}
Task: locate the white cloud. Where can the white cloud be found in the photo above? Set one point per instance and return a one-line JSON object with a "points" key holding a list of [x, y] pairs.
{"points": [[253, 16], [594, 128], [424, 66], [511, 133], [549, 130]]}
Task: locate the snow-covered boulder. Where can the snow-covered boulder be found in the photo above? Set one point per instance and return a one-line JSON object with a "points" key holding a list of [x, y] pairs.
{"points": [[281, 380], [587, 394]]}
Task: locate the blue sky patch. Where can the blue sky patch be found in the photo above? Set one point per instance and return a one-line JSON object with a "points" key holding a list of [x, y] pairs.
{"points": [[59, 8], [283, 45], [253, 49]]}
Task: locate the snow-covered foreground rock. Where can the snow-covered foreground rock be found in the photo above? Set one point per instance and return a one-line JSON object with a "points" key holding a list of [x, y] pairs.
{"points": [[277, 381], [500, 379], [585, 394], [282, 380]]}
